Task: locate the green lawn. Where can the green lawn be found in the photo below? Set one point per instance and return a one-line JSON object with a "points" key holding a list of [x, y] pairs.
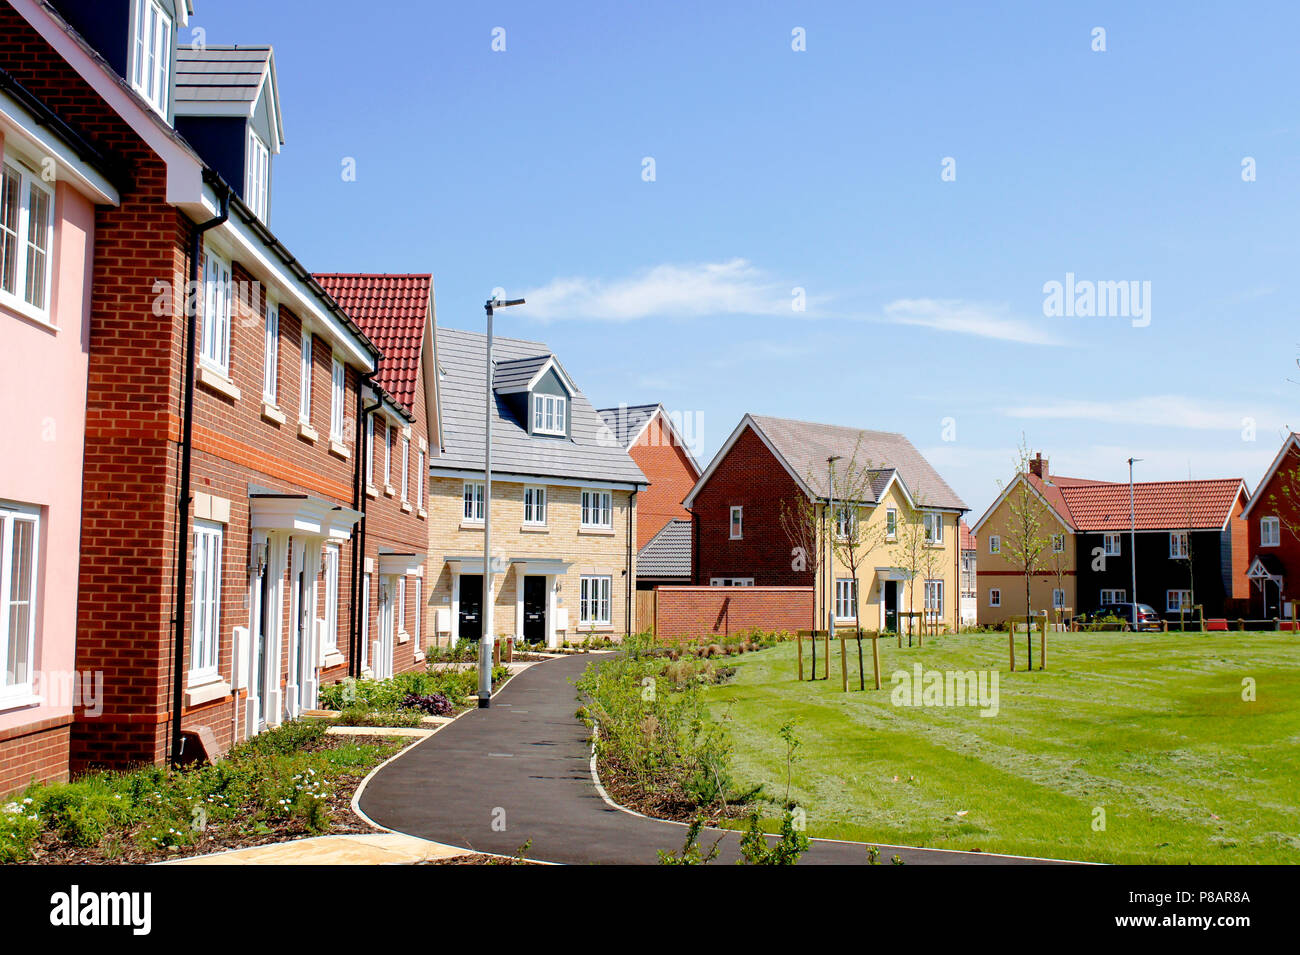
{"points": [[1150, 728]]}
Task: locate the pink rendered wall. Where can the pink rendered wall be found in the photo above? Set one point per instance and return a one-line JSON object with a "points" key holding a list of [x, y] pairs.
{"points": [[42, 427]]}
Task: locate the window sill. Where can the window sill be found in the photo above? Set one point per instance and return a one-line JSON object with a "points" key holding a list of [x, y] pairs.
{"points": [[422, 513], [471, 525], [20, 701], [406, 508], [339, 449], [389, 490], [214, 380], [24, 311], [307, 432], [599, 531], [207, 692], [271, 413], [534, 529], [372, 491], [333, 659], [403, 637]]}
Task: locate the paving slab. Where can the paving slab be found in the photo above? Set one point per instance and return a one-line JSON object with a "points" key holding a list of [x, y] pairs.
{"points": [[380, 848]]}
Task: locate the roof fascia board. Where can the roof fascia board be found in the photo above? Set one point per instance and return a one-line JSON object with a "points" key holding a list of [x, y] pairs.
{"points": [[1006, 492], [1287, 445], [745, 422], [27, 131], [515, 477], [184, 167]]}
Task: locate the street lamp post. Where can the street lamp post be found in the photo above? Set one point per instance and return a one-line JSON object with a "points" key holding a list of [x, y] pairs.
{"points": [[1132, 541], [486, 638]]}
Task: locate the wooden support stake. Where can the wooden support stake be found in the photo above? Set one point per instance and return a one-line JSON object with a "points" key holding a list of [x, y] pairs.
{"points": [[496, 653], [826, 654], [844, 666], [798, 642], [1042, 646], [1011, 642]]}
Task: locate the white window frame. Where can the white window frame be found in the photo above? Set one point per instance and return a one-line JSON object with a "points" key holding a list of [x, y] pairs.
{"points": [[535, 505], [214, 347], [846, 598], [891, 523], [406, 467], [419, 639], [389, 430], [257, 175], [1058, 543], [366, 584], [1058, 598], [271, 353], [370, 450], [995, 597], [338, 398], [737, 526], [550, 414], [401, 605], [594, 594], [18, 692], [205, 624], [731, 581], [419, 479], [332, 556], [597, 509], [151, 53], [933, 527], [1113, 545], [846, 519], [995, 544], [1113, 596], [1270, 532], [932, 595], [306, 347], [1178, 545], [472, 503], [1178, 599], [19, 295]]}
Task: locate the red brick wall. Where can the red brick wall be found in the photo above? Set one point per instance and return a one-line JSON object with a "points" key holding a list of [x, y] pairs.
{"points": [[36, 751], [712, 612], [671, 474], [752, 477], [1288, 550]]}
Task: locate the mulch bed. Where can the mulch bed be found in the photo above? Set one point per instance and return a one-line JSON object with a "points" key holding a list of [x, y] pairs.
{"points": [[661, 798], [121, 848], [479, 858]]}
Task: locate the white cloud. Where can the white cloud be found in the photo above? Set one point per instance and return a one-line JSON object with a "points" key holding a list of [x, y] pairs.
{"points": [[1162, 411], [969, 318], [674, 291]]}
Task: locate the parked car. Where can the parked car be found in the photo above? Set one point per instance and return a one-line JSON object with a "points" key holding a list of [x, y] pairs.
{"points": [[1148, 619]]}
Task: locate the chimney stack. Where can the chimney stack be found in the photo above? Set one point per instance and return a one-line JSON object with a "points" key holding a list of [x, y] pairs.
{"points": [[1038, 466]]}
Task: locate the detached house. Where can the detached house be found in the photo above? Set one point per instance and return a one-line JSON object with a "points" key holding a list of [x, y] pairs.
{"points": [[768, 463], [564, 500], [1191, 545], [223, 481], [1271, 521]]}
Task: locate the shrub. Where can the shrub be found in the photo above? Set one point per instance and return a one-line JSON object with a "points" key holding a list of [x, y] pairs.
{"points": [[435, 704], [363, 716]]}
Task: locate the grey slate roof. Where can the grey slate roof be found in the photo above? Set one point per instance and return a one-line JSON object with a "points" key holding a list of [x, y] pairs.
{"points": [[220, 74], [806, 445], [668, 553], [582, 456], [626, 422], [520, 371]]}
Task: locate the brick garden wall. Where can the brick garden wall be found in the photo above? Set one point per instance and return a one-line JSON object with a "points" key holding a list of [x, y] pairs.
{"points": [[711, 612]]}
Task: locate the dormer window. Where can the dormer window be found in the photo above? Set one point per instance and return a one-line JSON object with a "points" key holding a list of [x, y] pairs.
{"points": [[549, 414], [257, 176], [151, 53]]}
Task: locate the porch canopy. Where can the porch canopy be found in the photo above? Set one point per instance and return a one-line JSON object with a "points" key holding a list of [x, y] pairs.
{"points": [[300, 514]]}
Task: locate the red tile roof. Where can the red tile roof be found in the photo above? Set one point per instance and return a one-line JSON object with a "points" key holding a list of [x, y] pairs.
{"points": [[392, 310], [1157, 505], [967, 538]]}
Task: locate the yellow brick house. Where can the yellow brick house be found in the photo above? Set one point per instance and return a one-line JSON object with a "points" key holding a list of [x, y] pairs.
{"points": [[564, 495]]}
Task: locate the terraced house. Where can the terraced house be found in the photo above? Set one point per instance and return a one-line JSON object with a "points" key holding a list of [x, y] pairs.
{"points": [[768, 463], [223, 483], [564, 500]]}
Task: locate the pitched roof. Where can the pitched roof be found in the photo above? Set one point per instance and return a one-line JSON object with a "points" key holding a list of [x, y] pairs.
{"points": [[668, 553], [218, 78], [806, 445], [517, 372], [1157, 505], [626, 421], [393, 311], [584, 455], [1290, 447], [966, 537]]}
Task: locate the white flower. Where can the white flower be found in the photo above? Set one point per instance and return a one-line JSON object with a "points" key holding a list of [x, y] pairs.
{"points": [[12, 808]]}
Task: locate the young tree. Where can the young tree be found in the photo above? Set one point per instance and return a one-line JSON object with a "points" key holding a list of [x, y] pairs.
{"points": [[1187, 559], [909, 553], [932, 560], [801, 521], [1058, 564], [853, 539], [1023, 539]]}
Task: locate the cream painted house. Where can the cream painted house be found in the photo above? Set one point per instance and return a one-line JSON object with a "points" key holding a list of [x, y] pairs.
{"points": [[564, 496]]}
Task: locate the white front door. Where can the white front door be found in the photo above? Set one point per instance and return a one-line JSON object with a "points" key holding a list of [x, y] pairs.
{"points": [[383, 662], [303, 677]]}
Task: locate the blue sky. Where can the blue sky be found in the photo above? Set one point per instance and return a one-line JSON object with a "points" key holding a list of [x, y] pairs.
{"points": [[820, 169]]}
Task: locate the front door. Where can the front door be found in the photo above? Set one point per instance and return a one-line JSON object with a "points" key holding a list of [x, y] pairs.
{"points": [[471, 607], [535, 609], [891, 605], [262, 626], [383, 662]]}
